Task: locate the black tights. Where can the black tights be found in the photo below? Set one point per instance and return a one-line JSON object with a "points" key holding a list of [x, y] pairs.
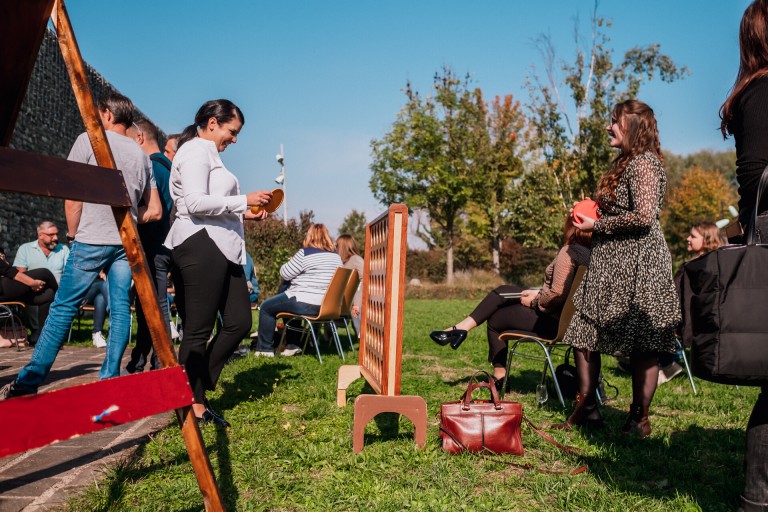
{"points": [[645, 374], [588, 369]]}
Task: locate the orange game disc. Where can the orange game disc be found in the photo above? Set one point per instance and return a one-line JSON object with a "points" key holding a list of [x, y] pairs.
{"points": [[273, 204], [587, 208]]}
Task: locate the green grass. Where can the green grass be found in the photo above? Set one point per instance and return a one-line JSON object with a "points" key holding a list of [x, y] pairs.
{"points": [[290, 447]]}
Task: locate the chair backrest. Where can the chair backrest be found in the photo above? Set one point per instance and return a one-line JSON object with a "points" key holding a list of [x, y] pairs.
{"points": [[569, 308], [349, 293], [333, 300]]}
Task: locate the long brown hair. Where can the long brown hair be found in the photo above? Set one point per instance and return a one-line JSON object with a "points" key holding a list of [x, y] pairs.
{"points": [[711, 237], [573, 235], [638, 124], [753, 57], [318, 238], [346, 247]]}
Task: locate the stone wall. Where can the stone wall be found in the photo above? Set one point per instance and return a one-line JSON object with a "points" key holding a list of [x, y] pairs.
{"points": [[48, 123]]}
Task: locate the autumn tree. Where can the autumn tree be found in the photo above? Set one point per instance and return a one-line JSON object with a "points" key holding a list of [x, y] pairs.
{"points": [[429, 159], [699, 195], [354, 224], [569, 115]]}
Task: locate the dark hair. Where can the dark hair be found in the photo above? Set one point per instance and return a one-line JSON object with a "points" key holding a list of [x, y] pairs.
{"points": [[223, 110], [148, 129], [641, 134], [753, 57], [121, 107], [573, 235], [710, 234]]}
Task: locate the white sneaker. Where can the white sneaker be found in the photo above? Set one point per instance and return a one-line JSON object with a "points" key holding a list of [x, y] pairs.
{"points": [[290, 350], [174, 332], [254, 334], [263, 353], [98, 340]]}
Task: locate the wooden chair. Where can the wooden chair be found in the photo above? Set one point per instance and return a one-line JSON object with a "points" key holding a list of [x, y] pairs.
{"points": [[330, 311], [346, 309], [515, 338], [7, 314]]}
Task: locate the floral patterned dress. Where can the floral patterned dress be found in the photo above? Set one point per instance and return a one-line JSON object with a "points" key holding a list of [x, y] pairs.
{"points": [[627, 301]]}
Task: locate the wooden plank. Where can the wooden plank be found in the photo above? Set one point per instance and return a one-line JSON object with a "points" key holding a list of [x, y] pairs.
{"points": [[39, 420], [22, 26], [41, 175]]}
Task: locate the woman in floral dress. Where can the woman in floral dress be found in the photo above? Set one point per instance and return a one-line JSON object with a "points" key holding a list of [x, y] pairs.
{"points": [[627, 302]]}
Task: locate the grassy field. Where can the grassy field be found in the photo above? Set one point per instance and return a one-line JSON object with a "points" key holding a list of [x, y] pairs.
{"points": [[290, 447]]}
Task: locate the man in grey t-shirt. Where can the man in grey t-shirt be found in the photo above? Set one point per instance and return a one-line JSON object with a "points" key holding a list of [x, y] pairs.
{"points": [[97, 246]]}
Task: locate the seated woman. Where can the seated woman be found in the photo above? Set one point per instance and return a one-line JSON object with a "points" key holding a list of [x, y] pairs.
{"points": [[347, 249], [36, 287], [309, 271], [537, 311]]}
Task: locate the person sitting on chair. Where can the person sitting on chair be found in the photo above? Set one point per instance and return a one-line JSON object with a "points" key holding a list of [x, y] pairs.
{"points": [[309, 271], [537, 311]]}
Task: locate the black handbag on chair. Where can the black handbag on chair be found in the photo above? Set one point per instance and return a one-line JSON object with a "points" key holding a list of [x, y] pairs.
{"points": [[728, 306]]}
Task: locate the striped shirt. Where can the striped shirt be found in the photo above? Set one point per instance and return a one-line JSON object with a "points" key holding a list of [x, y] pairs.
{"points": [[310, 272]]}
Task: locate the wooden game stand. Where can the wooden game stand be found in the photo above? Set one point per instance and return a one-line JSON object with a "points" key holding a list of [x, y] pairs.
{"points": [[381, 331], [66, 413]]}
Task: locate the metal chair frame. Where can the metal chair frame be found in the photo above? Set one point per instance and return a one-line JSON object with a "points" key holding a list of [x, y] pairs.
{"points": [[6, 313]]}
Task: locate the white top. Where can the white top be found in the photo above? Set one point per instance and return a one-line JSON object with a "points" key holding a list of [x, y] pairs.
{"points": [[207, 196], [310, 272]]}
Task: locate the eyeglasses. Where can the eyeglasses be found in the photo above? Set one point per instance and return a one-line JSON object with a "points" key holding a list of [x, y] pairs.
{"points": [[51, 234], [136, 127]]}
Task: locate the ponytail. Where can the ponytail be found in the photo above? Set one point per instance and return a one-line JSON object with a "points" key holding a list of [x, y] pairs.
{"points": [[189, 133], [223, 110]]}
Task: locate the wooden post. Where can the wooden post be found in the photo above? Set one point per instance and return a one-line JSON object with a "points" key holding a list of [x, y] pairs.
{"points": [[159, 330]]}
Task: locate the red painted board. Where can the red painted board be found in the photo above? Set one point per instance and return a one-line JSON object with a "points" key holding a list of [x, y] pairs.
{"points": [[28, 422]]}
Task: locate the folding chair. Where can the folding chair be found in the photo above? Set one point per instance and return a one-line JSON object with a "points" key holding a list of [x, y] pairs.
{"points": [[330, 311], [515, 338], [346, 309], [7, 313], [688, 372]]}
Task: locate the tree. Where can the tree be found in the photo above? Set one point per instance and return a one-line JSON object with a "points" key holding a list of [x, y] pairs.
{"points": [[430, 157], [699, 195], [571, 138], [354, 224]]}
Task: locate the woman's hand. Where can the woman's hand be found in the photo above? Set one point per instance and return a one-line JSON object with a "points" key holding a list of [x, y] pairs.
{"points": [[36, 284], [583, 223], [249, 215], [259, 198], [527, 296]]}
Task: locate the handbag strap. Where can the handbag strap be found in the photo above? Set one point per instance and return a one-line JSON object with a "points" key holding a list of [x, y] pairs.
{"points": [[467, 397], [752, 226]]}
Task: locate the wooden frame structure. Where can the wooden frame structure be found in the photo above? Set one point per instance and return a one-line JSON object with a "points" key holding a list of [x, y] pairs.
{"points": [[381, 330], [111, 402]]}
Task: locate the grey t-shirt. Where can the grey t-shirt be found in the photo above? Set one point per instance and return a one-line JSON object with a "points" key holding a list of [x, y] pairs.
{"points": [[97, 224]]}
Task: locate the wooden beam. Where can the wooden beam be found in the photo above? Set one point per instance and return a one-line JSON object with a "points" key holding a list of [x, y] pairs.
{"points": [[22, 27], [30, 173]]}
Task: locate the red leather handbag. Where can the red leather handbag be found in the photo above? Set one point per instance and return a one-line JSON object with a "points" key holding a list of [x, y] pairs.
{"points": [[481, 425]]}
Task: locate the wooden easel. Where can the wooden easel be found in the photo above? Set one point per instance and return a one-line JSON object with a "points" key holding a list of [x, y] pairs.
{"points": [[381, 330], [103, 404]]}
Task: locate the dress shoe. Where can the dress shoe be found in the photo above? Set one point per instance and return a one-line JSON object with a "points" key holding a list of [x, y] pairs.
{"points": [[585, 414], [212, 416], [455, 337], [637, 422]]}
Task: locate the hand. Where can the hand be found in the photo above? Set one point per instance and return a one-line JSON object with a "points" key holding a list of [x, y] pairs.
{"points": [[355, 311], [249, 215], [527, 296], [259, 198], [37, 285], [584, 223]]}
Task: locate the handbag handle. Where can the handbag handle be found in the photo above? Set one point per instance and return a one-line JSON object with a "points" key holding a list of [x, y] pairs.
{"points": [[490, 385], [752, 226]]}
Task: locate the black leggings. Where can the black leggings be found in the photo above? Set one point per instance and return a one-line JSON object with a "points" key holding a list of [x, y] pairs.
{"points": [[509, 315], [207, 284], [13, 290]]}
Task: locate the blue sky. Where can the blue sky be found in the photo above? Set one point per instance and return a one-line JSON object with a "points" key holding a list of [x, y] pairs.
{"points": [[324, 78]]}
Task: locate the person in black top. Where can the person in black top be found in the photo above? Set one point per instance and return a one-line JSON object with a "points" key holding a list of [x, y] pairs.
{"points": [[745, 116], [37, 286]]}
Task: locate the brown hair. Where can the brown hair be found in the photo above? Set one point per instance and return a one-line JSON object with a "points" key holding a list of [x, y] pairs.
{"points": [[573, 235], [711, 235], [753, 58], [318, 238], [121, 107], [641, 134], [346, 247]]}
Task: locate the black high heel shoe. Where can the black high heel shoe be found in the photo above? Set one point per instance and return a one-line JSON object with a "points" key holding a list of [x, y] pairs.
{"points": [[211, 416], [455, 337]]}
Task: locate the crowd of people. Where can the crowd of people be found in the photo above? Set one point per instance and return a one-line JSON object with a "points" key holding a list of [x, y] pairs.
{"points": [[191, 214]]}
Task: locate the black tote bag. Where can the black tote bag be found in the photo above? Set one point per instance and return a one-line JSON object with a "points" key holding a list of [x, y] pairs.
{"points": [[729, 310]]}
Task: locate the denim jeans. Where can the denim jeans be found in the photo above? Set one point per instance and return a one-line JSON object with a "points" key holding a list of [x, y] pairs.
{"points": [[81, 271], [98, 295], [280, 303]]}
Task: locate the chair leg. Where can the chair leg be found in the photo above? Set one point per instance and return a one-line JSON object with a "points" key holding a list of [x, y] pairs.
{"points": [[336, 340], [349, 335], [687, 367], [314, 339], [552, 369]]}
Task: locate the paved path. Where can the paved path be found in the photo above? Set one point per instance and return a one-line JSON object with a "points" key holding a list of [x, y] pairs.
{"points": [[43, 479]]}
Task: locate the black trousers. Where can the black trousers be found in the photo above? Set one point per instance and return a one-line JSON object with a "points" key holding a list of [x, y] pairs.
{"points": [[159, 261], [509, 315], [207, 284], [12, 290]]}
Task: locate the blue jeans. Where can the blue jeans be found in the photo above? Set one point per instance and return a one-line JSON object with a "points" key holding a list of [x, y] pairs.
{"points": [[280, 303], [81, 271], [98, 295]]}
